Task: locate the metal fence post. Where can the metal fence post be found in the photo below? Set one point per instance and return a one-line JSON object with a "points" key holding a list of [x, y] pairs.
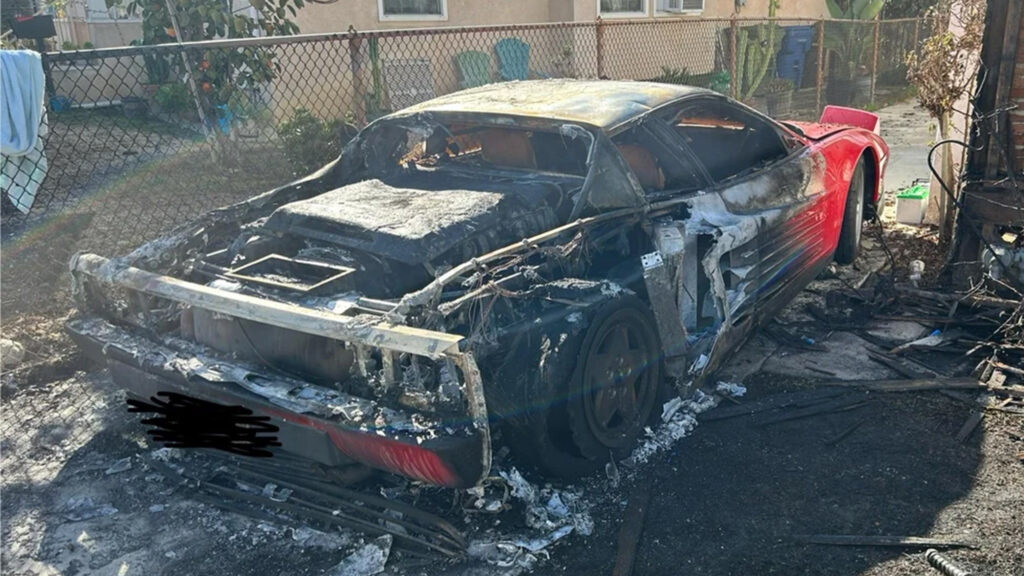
{"points": [[207, 128], [51, 90], [732, 57], [821, 64], [874, 59], [599, 28], [917, 33], [355, 54]]}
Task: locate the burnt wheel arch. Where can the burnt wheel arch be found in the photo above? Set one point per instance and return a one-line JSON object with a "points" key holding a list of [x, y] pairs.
{"points": [[553, 434], [617, 380], [848, 246], [871, 184]]}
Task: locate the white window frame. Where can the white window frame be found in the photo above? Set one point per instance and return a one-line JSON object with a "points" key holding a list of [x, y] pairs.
{"points": [[660, 11], [103, 15], [644, 14], [382, 17]]}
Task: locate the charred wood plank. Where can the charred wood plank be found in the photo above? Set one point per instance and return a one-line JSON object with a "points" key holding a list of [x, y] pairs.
{"points": [[904, 367], [974, 321], [893, 541], [986, 402], [1011, 390], [845, 433], [776, 401], [631, 530], [1007, 368], [841, 404], [970, 425], [910, 385], [968, 299]]}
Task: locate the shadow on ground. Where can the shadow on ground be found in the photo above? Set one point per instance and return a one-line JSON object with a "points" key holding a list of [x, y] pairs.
{"points": [[731, 498]]}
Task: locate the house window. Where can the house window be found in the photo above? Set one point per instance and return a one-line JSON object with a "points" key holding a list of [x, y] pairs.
{"points": [[97, 10], [413, 9], [620, 8], [681, 6]]}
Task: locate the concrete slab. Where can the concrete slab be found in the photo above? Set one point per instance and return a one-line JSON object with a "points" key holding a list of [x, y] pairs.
{"points": [[909, 131], [845, 359]]}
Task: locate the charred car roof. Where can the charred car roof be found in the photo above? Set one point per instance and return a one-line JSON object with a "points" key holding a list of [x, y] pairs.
{"points": [[605, 104]]}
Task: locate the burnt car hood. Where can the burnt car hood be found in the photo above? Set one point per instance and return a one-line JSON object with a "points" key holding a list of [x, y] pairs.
{"points": [[416, 218]]}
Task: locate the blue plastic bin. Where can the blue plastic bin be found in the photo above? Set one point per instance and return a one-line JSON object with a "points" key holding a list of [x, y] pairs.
{"points": [[798, 39], [793, 53], [791, 67]]}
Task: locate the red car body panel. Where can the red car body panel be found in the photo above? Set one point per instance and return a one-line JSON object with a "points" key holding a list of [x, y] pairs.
{"points": [[842, 146]]}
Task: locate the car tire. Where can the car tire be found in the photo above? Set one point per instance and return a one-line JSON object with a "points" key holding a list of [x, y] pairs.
{"points": [[567, 438], [853, 218]]}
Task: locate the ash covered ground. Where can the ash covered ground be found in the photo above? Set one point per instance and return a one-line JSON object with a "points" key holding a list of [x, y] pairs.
{"points": [[732, 496]]}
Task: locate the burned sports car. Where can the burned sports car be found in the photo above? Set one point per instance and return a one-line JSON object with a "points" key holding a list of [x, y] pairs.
{"points": [[552, 259]]}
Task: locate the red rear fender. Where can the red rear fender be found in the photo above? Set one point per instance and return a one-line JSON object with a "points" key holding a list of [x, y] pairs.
{"points": [[851, 117]]}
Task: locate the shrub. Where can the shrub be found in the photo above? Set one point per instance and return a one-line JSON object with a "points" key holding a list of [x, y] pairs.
{"points": [[774, 86], [310, 142], [173, 98], [674, 76]]}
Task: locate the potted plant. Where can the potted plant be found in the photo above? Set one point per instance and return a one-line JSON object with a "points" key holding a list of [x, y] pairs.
{"points": [[778, 95], [848, 42], [721, 82]]}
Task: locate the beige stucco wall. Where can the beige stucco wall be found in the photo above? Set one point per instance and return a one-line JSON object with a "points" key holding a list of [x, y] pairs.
{"points": [[363, 15], [99, 82], [560, 10], [102, 33], [788, 9], [586, 10], [114, 33], [319, 76], [632, 49], [639, 51]]}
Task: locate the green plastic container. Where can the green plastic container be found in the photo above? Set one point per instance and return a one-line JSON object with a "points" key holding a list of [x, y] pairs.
{"points": [[911, 203]]}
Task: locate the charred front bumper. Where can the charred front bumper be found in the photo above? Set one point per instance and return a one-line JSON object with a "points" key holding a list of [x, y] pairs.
{"points": [[310, 420]]}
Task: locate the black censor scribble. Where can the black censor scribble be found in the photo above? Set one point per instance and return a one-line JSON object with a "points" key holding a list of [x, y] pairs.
{"points": [[186, 422]]}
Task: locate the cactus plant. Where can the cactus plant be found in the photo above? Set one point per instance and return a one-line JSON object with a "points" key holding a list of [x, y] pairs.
{"points": [[756, 47]]}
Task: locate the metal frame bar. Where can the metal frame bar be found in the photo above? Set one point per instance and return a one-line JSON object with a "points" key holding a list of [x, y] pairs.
{"points": [[383, 335], [301, 319]]}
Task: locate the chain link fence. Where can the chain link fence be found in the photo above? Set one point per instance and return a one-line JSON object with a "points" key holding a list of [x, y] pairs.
{"points": [[141, 139]]}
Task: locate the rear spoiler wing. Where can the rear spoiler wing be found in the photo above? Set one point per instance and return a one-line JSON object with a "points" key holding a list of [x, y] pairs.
{"points": [[851, 117]]}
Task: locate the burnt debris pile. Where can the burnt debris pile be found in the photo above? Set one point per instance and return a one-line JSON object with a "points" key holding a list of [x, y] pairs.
{"points": [[974, 347]]}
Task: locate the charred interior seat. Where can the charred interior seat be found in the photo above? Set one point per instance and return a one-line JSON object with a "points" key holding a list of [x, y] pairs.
{"points": [[644, 166]]}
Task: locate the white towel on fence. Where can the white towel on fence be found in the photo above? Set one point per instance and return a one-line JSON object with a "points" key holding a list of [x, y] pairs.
{"points": [[22, 126]]}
